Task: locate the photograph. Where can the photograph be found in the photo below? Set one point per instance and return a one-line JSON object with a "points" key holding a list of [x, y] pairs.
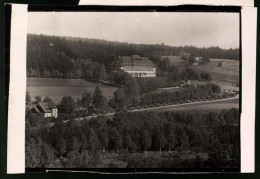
{"points": [[133, 90]]}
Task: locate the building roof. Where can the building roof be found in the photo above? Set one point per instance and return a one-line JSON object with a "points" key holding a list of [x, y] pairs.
{"points": [[32, 107], [133, 60], [46, 107]]}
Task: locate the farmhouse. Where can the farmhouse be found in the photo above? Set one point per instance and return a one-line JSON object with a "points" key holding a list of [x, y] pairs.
{"points": [[135, 65], [46, 109]]}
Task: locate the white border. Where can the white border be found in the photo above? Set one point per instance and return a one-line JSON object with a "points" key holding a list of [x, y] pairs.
{"points": [[247, 125], [17, 88], [167, 2], [16, 113]]}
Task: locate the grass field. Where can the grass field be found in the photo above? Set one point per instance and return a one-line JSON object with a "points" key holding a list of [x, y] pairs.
{"points": [[229, 73], [224, 85], [214, 106], [57, 88]]}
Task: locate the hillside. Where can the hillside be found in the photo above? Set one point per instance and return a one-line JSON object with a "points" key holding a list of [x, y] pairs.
{"points": [[60, 55]]}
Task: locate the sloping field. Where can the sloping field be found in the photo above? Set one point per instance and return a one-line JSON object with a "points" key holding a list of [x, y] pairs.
{"points": [[229, 73], [223, 85], [213, 106], [57, 88]]}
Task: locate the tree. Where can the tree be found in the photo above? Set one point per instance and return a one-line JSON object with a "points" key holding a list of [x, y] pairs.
{"points": [[38, 99], [121, 77], [205, 58], [28, 97], [61, 145], [86, 99], [128, 143], [159, 138], [99, 101], [67, 105], [165, 64], [131, 89], [100, 73], [171, 136], [84, 142], [205, 76], [93, 141], [116, 139], [191, 59], [103, 138], [74, 144], [48, 100], [146, 141], [120, 97]]}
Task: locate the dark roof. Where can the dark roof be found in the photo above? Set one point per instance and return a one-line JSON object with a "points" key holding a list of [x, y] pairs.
{"points": [[132, 60], [43, 107], [33, 108], [46, 107]]}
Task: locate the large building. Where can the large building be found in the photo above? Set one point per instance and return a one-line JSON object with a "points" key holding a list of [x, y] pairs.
{"points": [[135, 65]]}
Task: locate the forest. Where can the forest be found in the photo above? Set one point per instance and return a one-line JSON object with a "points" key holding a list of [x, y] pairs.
{"points": [[71, 57], [131, 136]]}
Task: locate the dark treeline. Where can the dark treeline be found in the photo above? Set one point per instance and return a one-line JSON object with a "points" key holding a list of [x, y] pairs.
{"points": [[191, 93], [53, 56], [82, 143]]}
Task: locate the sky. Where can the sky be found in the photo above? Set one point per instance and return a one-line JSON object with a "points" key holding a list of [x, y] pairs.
{"points": [[171, 28]]}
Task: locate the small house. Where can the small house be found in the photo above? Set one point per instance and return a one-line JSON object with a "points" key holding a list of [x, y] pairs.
{"points": [[47, 109]]}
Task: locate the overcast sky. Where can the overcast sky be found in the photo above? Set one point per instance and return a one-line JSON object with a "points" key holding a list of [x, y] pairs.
{"points": [[170, 28]]}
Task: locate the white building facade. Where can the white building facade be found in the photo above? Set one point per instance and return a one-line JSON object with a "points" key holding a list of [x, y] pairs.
{"points": [[135, 65]]}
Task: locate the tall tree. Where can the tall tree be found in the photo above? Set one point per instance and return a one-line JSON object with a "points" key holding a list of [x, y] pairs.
{"points": [[116, 138], [38, 99], [61, 145], [99, 101], [103, 138], [120, 97], [132, 89], [171, 136], [93, 141], [67, 105], [159, 138], [146, 141], [86, 100], [74, 144]]}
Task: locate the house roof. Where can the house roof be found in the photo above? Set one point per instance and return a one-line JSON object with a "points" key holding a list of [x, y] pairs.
{"points": [[32, 107], [43, 107], [46, 107], [133, 60]]}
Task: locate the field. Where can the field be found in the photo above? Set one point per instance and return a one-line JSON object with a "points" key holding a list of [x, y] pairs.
{"points": [[57, 88], [224, 85], [213, 106], [229, 73]]}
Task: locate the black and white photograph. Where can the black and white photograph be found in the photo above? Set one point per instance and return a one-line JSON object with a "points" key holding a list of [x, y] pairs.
{"points": [[133, 90]]}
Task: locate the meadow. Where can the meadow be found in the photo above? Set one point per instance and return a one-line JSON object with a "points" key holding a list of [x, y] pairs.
{"points": [[229, 73], [213, 106], [57, 88]]}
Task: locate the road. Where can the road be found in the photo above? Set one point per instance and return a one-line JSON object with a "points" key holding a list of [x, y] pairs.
{"points": [[165, 107]]}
